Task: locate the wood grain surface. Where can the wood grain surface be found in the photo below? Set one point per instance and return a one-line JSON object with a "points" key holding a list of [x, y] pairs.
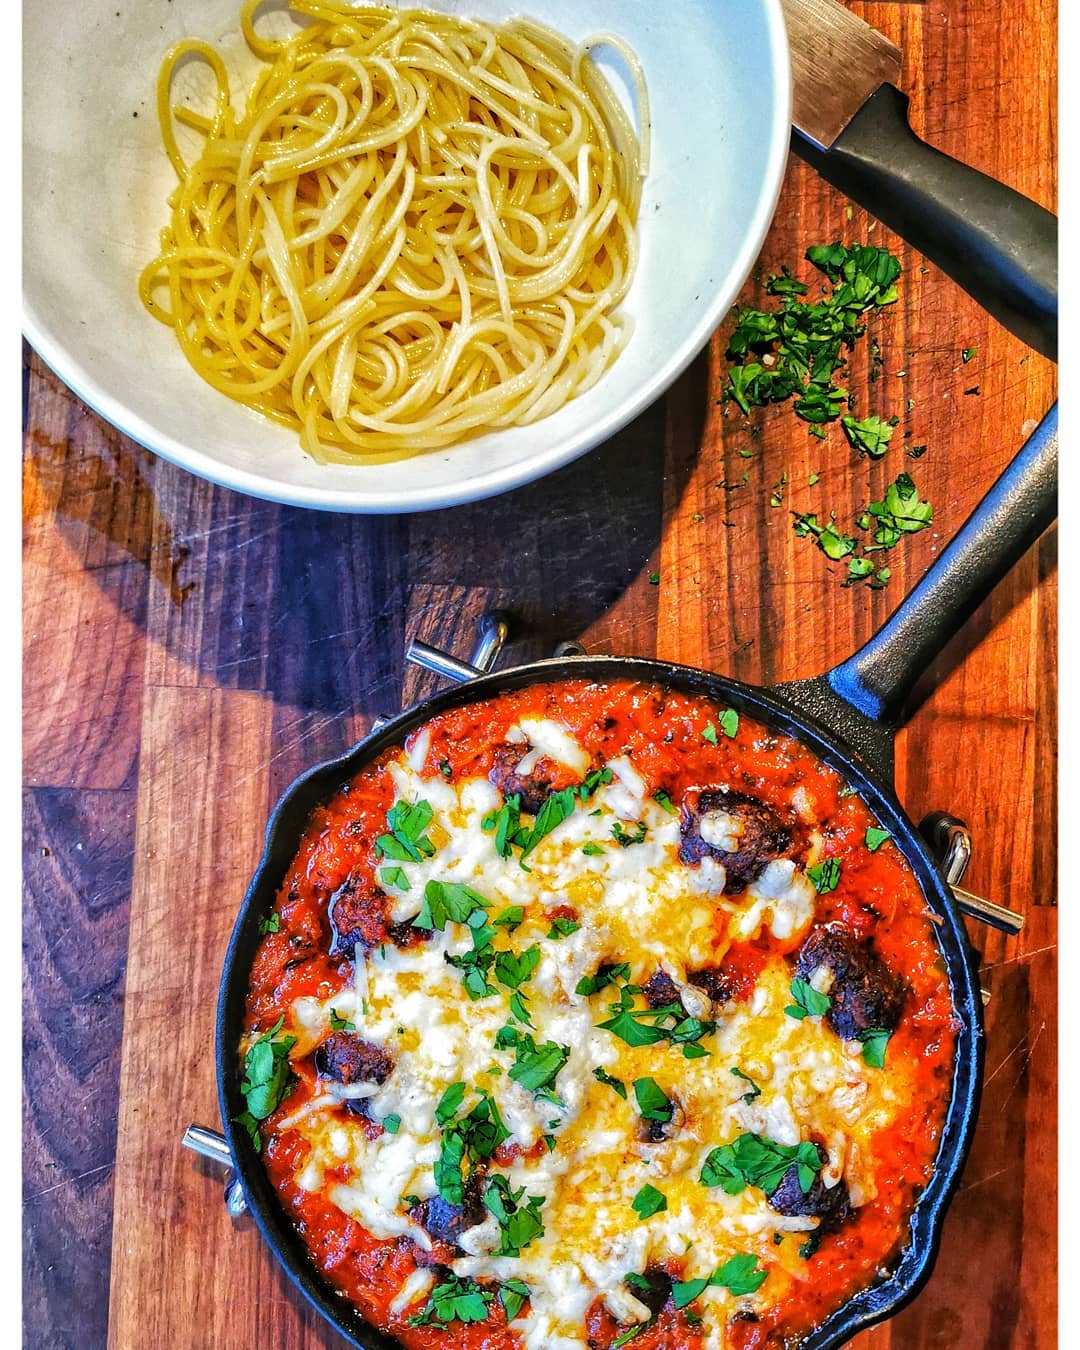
{"points": [[187, 651]]}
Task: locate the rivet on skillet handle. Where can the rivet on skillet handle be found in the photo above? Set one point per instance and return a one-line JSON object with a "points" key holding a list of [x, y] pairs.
{"points": [[214, 1146]]}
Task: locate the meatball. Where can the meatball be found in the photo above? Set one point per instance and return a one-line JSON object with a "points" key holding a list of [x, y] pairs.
{"points": [[444, 1223], [734, 829], [532, 788], [358, 914], [865, 993], [344, 1057], [659, 1288], [827, 1203], [660, 990]]}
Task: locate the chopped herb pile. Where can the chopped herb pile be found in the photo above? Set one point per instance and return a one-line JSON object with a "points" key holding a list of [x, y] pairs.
{"points": [[808, 1002], [454, 1301], [406, 840], [511, 833], [518, 1215], [471, 1138], [646, 1026]]}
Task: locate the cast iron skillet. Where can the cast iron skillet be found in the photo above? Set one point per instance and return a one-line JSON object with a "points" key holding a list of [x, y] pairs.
{"points": [[848, 717]]}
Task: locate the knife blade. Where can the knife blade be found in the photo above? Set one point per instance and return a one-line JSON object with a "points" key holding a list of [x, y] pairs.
{"points": [[851, 125]]}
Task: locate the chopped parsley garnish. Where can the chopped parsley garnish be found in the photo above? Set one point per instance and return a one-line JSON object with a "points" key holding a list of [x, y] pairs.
{"points": [[272, 924], [624, 838], [339, 1023], [825, 876], [875, 837], [535, 1066], [476, 964], [627, 1336], [755, 1091], [648, 1201], [391, 1124], [754, 1160], [406, 840], [806, 339], [740, 1275], [445, 768], [874, 1040], [561, 927], [519, 1223], [777, 498], [602, 1076], [454, 1300], [651, 1026], [967, 354], [510, 918], [832, 543], [506, 822], [663, 800], [709, 734], [592, 849], [512, 1296], [808, 1002], [473, 1137], [654, 578], [513, 970], [448, 901], [899, 512], [871, 436], [605, 975], [267, 1081], [653, 1102], [394, 876], [510, 833], [729, 722]]}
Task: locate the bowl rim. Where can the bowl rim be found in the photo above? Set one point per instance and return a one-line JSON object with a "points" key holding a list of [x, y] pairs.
{"points": [[383, 501]]}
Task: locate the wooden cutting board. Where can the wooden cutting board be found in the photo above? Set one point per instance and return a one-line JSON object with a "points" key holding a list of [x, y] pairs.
{"points": [[189, 650]]}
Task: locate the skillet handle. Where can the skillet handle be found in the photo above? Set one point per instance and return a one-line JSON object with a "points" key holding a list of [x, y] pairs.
{"points": [[880, 676]]}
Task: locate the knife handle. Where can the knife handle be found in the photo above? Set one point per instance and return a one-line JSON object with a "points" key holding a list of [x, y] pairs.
{"points": [[999, 246]]}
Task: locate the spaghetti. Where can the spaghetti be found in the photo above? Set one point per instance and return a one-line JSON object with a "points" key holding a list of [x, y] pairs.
{"points": [[419, 228]]}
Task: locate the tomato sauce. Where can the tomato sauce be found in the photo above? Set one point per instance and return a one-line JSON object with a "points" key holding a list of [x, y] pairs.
{"points": [[666, 734]]}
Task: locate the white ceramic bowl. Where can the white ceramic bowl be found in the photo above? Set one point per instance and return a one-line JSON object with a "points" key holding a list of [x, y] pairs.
{"points": [[96, 179]]}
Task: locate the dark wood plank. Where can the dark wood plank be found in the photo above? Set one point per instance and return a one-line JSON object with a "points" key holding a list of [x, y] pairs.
{"points": [[77, 876]]}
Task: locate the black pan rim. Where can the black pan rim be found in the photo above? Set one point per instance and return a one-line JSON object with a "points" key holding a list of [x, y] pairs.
{"points": [[915, 1262]]}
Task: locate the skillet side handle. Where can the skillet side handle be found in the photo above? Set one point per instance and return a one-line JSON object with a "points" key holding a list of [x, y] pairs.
{"points": [[880, 676], [1001, 247]]}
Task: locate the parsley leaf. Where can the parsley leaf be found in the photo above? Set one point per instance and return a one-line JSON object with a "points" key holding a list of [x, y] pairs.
{"points": [[561, 927], [472, 1137], [591, 849], [339, 1023], [267, 1080], [519, 1223], [605, 975], [513, 970], [709, 734], [899, 512], [754, 1092], [871, 436], [663, 800], [510, 918], [394, 876], [832, 543], [602, 1076], [729, 722], [825, 876], [875, 837], [391, 1124], [512, 1296], [406, 840], [739, 1275], [535, 1066], [272, 924], [624, 838], [754, 1160], [448, 901], [808, 1002], [652, 1101], [454, 1300], [648, 1201], [874, 1041]]}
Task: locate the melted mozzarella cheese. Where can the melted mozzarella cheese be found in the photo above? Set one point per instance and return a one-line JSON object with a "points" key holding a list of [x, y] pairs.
{"points": [[638, 904]]}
